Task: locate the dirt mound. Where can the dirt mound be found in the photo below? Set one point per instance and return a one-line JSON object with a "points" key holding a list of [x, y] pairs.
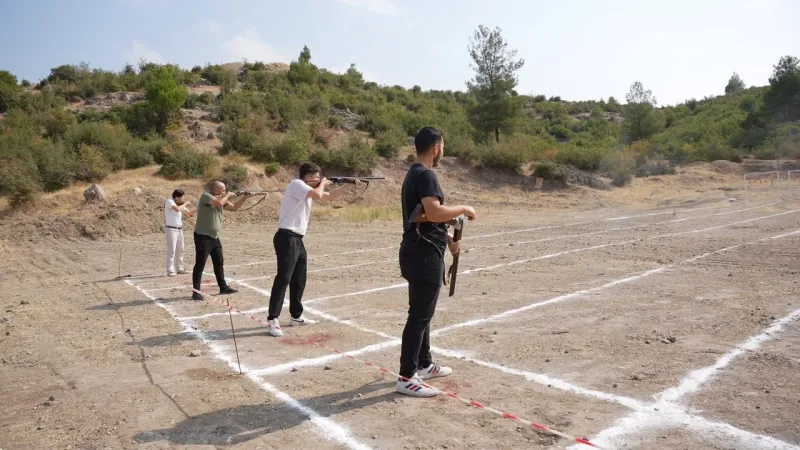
{"points": [[727, 167]]}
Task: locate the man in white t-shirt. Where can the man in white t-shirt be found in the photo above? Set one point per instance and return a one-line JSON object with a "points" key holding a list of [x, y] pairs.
{"points": [[173, 211], [288, 242]]}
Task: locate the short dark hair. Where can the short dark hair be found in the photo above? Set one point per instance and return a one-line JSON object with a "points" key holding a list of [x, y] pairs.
{"points": [[308, 168], [426, 138], [177, 193]]}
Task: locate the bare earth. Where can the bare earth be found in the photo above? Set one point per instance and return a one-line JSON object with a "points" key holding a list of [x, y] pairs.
{"points": [[585, 311]]}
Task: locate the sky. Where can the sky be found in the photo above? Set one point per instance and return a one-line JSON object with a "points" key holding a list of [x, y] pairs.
{"points": [[576, 49]]}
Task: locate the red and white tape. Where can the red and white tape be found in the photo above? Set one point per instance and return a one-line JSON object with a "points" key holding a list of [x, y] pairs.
{"points": [[467, 402]]}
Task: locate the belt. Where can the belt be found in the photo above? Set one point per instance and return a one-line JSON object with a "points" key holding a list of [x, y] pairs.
{"points": [[174, 228]]}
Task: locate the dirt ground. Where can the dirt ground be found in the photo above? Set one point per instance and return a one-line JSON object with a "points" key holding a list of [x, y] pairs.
{"points": [[587, 312]]}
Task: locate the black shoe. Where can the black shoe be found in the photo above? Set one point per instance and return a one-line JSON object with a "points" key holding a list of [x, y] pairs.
{"points": [[197, 296], [228, 290]]}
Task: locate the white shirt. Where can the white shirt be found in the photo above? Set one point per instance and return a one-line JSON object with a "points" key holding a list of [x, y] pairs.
{"points": [[296, 207], [174, 218]]}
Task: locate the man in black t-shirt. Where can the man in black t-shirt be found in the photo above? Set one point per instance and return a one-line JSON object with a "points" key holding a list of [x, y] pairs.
{"points": [[422, 261]]}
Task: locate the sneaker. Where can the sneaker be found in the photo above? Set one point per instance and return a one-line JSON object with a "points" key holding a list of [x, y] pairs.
{"points": [[434, 371], [301, 321], [197, 296], [415, 388], [170, 274], [275, 328], [227, 290], [182, 272]]}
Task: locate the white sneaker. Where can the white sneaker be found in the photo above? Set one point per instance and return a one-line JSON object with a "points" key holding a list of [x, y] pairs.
{"points": [[434, 371], [275, 328], [170, 274], [415, 388], [301, 321]]}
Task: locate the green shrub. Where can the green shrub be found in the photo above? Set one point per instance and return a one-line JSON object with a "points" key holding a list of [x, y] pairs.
{"points": [[389, 142], [272, 168], [620, 166], [356, 157], [584, 158], [233, 175], [551, 171], [183, 161], [292, 149], [90, 165], [57, 123]]}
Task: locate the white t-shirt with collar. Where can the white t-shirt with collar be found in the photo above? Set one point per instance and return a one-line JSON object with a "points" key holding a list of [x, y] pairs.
{"points": [[174, 218], [296, 207]]}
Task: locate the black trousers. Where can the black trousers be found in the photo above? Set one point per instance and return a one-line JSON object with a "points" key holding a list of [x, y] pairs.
{"points": [[292, 268], [422, 265], [205, 246]]}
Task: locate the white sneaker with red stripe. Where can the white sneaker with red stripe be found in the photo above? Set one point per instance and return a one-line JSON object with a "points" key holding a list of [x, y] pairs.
{"points": [[434, 371], [414, 387], [275, 328]]}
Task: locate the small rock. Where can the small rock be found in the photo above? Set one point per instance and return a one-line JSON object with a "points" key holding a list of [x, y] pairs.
{"points": [[328, 368], [666, 341], [95, 193], [24, 302], [484, 293], [359, 395], [566, 351], [52, 399], [494, 332], [614, 385], [8, 333], [193, 354], [547, 360], [766, 391], [730, 274], [671, 339], [39, 428], [636, 378], [758, 407], [137, 190], [47, 403], [374, 436], [294, 369], [127, 330], [647, 341]]}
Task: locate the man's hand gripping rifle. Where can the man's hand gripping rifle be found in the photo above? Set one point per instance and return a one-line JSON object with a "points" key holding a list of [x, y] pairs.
{"points": [[418, 216]]}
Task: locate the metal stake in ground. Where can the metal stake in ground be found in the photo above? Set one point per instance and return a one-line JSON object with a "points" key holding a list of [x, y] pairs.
{"points": [[230, 315]]}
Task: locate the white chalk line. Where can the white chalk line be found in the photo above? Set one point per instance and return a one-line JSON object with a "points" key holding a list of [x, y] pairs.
{"points": [[694, 381], [525, 230], [263, 277], [330, 429], [404, 285]]}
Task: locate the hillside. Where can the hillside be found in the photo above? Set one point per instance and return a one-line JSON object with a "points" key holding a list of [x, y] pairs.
{"points": [[254, 122]]}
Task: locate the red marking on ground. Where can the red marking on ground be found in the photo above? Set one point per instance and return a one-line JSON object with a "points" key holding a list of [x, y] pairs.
{"points": [[320, 338]]}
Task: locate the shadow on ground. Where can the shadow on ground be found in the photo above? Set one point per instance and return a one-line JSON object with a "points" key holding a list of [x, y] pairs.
{"points": [[243, 423]]}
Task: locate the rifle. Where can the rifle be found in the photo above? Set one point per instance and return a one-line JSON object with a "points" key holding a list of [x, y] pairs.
{"points": [[418, 216], [353, 179]]}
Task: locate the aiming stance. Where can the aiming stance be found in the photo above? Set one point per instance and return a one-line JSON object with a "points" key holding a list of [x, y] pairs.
{"points": [[422, 261], [288, 242], [206, 235], [173, 211]]}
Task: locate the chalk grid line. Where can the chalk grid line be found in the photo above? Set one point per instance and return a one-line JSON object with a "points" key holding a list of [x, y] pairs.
{"points": [[664, 410]]}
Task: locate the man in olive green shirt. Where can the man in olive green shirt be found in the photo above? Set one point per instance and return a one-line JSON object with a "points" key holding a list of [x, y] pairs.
{"points": [[206, 235]]}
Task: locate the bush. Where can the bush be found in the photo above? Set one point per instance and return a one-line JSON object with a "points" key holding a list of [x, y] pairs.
{"points": [[356, 157], [272, 168], [654, 168], [619, 166], [233, 175], [584, 158], [389, 142], [90, 165], [292, 149], [182, 161], [551, 172]]}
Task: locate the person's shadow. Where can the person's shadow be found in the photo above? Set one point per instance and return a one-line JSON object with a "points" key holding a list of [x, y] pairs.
{"points": [[243, 423]]}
